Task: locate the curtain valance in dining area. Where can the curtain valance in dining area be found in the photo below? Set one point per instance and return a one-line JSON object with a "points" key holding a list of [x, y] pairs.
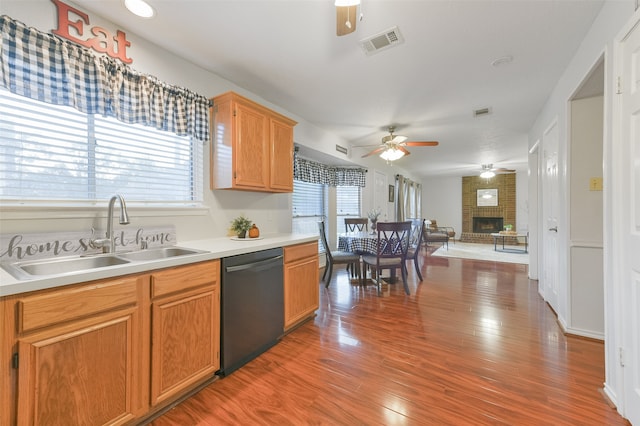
{"points": [[312, 172]]}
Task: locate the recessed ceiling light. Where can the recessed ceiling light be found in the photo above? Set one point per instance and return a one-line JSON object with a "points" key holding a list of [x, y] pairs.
{"points": [[139, 8], [503, 60]]}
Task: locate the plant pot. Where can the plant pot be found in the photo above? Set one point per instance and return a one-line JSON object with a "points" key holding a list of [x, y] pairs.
{"points": [[242, 234]]}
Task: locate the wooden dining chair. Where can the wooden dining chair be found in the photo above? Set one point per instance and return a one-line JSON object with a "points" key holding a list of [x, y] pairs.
{"points": [[337, 257], [353, 224], [415, 243], [392, 247]]}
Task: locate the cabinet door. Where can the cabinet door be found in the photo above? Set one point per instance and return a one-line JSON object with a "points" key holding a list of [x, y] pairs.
{"points": [[251, 149], [281, 156], [185, 336], [80, 373], [301, 292]]}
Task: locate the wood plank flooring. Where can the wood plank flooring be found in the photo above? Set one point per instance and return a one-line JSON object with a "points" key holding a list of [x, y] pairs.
{"points": [[473, 344]]}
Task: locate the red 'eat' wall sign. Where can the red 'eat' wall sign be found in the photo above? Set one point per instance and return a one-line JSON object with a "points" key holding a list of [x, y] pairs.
{"points": [[99, 39]]}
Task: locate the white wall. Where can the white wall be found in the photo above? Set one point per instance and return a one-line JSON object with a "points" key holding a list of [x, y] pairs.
{"points": [[442, 201], [598, 41]]}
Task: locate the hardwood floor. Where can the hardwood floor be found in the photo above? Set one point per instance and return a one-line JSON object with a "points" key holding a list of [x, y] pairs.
{"points": [[473, 344]]}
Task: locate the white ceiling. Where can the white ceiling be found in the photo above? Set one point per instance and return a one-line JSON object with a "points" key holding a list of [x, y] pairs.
{"points": [[287, 52]]}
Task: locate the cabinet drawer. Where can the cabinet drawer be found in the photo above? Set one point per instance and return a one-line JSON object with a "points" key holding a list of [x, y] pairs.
{"points": [[300, 251], [68, 304], [184, 277]]}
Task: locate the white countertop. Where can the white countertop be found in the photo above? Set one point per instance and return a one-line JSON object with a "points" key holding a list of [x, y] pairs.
{"points": [[216, 248]]}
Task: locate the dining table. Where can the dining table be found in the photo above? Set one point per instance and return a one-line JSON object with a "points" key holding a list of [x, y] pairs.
{"points": [[363, 242]]}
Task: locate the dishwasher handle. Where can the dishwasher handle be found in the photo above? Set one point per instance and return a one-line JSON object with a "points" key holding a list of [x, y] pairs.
{"points": [[257, 266]]}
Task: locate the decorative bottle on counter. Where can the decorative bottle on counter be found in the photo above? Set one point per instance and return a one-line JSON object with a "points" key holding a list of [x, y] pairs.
{"points": [[254, 232]]}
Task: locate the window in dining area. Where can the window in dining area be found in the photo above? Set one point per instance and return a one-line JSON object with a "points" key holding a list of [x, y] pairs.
{"points": [[309, 206], [324, 192], [348, 204]]}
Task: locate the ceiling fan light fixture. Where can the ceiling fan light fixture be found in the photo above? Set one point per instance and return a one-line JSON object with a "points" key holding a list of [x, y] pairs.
{"points": [[391, 154], [139, 8], [487, 174], [343, 3]]}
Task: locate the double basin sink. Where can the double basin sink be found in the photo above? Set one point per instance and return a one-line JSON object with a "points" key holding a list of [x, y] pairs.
{"points": [[86, 263]]}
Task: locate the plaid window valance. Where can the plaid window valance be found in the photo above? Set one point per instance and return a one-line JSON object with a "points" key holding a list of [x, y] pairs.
{"points": [[312, 172], [47, 68]]}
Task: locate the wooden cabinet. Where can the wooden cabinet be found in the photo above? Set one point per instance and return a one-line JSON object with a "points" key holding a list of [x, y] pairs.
{"points": [[252, 146], [79, 354], [301, 283], [185, 324], [109, 352]]}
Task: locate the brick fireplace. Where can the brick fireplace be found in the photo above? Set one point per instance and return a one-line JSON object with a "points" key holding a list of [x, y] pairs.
{"points": [[487, 218]]}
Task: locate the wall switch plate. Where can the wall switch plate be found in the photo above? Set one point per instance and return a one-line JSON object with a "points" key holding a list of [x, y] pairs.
{"points": [[595, 184]]}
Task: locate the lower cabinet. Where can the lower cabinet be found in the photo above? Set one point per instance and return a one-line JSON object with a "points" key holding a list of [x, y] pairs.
{"points": [[301, 280], [112, 351], [77, 354], [185, 324]]}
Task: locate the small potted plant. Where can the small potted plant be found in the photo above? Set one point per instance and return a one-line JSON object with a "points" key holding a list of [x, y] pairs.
{"points": [[240, 225]]}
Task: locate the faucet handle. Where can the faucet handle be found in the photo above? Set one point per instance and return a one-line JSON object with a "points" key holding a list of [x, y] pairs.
{"points": [[97, 243]]}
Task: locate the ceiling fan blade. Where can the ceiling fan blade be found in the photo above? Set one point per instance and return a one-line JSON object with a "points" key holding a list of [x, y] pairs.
{"points": [[346, 19], [375, 151], [416, 143], [403, 149], [503, 170]]}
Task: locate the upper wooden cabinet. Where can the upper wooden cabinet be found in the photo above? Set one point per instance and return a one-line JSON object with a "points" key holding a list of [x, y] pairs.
{"points": [[252, 146]]}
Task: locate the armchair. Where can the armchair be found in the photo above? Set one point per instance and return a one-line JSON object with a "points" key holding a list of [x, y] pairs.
{"points": [[437, 234]]}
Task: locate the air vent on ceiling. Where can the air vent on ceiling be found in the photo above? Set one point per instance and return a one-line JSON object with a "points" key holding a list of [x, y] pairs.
{"points": [[382, 41], [341, 149], [481, 111]]}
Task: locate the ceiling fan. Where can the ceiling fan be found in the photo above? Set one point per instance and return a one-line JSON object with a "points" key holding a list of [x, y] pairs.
{"points": [[346, 11], [393, 146], [488, 171]]}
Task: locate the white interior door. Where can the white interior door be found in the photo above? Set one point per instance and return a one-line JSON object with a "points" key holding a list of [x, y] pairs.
{"points": [[380, 195], [550, 217], [630, 133]]}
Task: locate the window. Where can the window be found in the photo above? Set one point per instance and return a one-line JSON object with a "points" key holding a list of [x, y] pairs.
{"points": [[347, 204], [309, 202], [309, 206], [50, 152]]}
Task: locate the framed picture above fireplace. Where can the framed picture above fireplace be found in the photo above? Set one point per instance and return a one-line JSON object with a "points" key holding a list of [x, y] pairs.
{"points": [[487, 197]]}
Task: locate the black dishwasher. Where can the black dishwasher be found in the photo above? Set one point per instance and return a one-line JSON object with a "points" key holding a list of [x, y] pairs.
{"points": [[252, 306]]}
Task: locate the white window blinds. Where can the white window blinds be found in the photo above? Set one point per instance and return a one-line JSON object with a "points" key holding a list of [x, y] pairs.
{"points": [[308, 202], [347, 204], [50, 152]]}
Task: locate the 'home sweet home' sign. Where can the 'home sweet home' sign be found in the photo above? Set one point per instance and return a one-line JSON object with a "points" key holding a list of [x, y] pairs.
{"points": [[21, 247]]}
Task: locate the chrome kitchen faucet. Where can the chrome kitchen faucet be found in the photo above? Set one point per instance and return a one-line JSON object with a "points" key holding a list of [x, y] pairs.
{"points": [[108, 244]]}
